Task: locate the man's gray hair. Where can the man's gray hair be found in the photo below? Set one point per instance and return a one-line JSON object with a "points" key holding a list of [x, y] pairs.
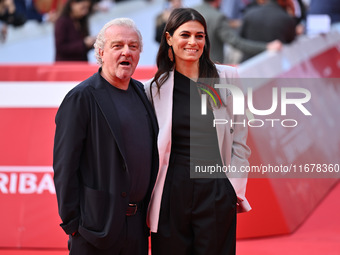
{"points": [[100, 41]]}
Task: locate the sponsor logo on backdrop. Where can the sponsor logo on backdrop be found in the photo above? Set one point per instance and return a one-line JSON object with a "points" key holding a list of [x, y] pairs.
{"points": [[26, 180]]}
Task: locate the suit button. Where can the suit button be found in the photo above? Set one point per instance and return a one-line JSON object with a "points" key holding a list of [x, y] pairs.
{"points": [[124, 194], [231, 131], [124, 167]]}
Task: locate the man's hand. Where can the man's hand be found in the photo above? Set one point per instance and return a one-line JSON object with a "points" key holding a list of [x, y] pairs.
{"points": [[275, 45]]}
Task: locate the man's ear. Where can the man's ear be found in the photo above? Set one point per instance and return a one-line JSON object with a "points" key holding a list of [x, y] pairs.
{"points": [[168, 38], [101, 53]]}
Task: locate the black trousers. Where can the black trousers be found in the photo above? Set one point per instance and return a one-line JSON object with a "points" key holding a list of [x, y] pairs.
{"points": [[197, 216], [132, 241]]}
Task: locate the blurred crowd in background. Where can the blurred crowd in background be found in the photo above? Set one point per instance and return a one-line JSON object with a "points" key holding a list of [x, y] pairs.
{"points": [[238, 29]]}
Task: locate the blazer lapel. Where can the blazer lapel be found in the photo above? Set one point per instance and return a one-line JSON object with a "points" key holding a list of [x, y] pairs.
{"points": [[111, 115], [221, 132], [163, 108], [147, 105], [162, 102], [221, 113]]}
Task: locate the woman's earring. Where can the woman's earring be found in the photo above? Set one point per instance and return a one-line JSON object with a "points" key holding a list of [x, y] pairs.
{"points": [[170, 54]]}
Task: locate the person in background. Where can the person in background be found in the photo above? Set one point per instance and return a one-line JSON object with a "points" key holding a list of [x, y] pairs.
{"points": [[233, 10], [221, 33], [38, 9], [298, 12], [71, 32], [192, 214], [162, 18], [295, 8], [268, 22], [329, 7], [9, 16], [105, 157]]}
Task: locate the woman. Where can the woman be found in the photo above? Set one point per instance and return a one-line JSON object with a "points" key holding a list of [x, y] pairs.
{"points": [[72, 40], [189, 215]]}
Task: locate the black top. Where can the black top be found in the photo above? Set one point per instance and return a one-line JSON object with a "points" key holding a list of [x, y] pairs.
{"points": [[193, 134], [137, 137]]}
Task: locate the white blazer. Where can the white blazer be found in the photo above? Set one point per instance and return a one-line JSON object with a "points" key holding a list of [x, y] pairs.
{"points": [[231, 140]]}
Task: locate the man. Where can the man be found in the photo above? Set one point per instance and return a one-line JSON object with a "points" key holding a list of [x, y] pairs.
{"points": [[221, 33], [267, 22], [105, 151]]}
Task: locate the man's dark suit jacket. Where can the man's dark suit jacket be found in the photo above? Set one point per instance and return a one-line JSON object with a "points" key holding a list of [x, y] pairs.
{"points": [[268, 23], [90, 169]]}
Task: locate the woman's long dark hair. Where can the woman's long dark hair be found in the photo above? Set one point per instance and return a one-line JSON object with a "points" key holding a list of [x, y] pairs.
{"points": [[84, 26], [177, 18]]}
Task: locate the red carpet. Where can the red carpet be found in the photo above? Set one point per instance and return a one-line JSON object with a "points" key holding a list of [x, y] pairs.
{"points": [[318, 235]]}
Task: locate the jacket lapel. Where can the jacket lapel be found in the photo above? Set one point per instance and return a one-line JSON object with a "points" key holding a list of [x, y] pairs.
{"points": [[163, 108], [162, 103], [147, 105], [221, 132], [220, 113], [110, 113]]}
